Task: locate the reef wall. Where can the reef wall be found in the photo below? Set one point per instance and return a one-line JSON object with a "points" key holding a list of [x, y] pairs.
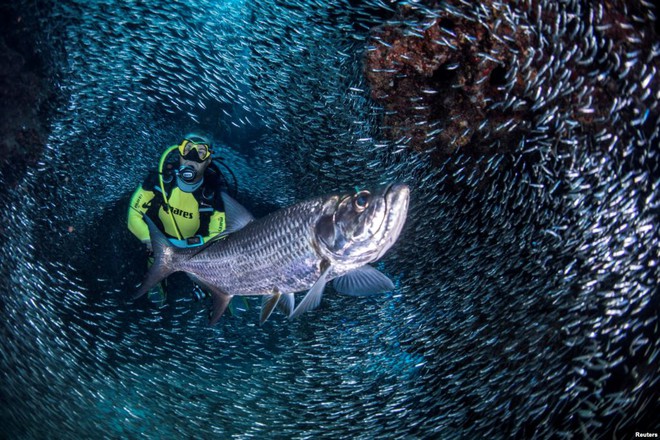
{"points": [[24, 93]]}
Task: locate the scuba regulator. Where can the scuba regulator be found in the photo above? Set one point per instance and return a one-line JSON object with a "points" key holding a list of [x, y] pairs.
{"points": [[186, 173]]}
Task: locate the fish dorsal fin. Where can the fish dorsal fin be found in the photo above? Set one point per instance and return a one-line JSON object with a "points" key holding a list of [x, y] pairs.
{"points": [[268, 303], [363, 281], [237, 215], [313, 297]]}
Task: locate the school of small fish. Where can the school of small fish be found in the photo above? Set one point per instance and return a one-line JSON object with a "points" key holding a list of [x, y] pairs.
{"points": [[526, 296]]}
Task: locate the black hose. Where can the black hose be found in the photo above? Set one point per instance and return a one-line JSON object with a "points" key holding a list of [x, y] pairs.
{"points": [[233, 191]]}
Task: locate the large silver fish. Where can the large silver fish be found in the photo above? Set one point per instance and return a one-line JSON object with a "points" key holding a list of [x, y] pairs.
{"points": [[291, 250]]}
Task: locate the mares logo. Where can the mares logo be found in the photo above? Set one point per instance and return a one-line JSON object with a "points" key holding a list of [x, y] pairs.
{"points": [[137, 202], [182, 213]]}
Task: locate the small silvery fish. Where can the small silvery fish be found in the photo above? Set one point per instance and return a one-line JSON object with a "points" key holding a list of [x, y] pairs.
{"points": [[298, 248]]}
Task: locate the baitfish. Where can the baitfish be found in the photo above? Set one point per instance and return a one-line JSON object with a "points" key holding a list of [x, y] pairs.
{"points": [[301, 247]]}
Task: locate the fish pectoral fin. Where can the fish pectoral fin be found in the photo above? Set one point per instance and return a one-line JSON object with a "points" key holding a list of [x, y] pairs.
{"points": [[237, 215], [313, 297], [287, 304], [363, 281], [268, 303]]}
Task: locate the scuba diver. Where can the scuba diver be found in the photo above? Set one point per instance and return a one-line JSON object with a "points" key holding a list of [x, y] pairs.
{"points": [[183, 199]]}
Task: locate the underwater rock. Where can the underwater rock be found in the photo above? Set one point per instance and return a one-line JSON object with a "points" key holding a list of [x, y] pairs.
{"points": [[487, 78], [23, 93]]}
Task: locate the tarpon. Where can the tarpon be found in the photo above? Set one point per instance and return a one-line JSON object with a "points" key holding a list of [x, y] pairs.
{"points": [[298, 248]]}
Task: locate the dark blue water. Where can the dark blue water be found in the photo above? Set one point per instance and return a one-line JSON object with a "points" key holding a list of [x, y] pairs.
{"points": [[526, 301]]}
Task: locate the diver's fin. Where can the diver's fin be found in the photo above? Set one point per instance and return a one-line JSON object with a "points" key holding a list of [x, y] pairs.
{"points": [[268, 303], [313, 297], [235, 309], [363, 281], [231, 307], [287, 303], [163, 252], [237, 215]]}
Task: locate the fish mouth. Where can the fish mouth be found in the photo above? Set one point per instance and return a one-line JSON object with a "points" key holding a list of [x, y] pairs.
{"points": [[397, 199]]}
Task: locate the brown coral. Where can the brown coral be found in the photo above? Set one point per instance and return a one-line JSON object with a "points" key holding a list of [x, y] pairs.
{"points": [[490, 78]]}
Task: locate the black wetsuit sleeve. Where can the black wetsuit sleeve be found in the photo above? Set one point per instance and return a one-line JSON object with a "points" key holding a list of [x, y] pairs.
{"points": [[151, 182]]}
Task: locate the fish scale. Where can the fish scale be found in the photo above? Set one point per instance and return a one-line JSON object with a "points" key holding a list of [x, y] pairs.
{"points": [[242, 264]]}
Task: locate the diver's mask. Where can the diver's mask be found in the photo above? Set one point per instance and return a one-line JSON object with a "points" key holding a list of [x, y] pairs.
{"points": [[194, 151]]}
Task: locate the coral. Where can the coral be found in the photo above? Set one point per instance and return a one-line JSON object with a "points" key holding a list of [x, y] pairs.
{"points": [[491, 77]]}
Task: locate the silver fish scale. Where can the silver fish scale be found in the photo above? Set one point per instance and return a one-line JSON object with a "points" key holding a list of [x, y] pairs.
{"points": [[276, 252]]}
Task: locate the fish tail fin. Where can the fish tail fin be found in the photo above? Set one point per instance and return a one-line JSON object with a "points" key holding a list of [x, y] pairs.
{"points": [[163, 262]]}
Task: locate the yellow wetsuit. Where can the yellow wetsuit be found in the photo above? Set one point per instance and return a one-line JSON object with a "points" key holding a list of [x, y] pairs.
{"points": [[197, 214]]}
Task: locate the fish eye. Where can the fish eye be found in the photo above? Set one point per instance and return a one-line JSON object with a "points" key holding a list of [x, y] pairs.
{"points": [[361, 200]]}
